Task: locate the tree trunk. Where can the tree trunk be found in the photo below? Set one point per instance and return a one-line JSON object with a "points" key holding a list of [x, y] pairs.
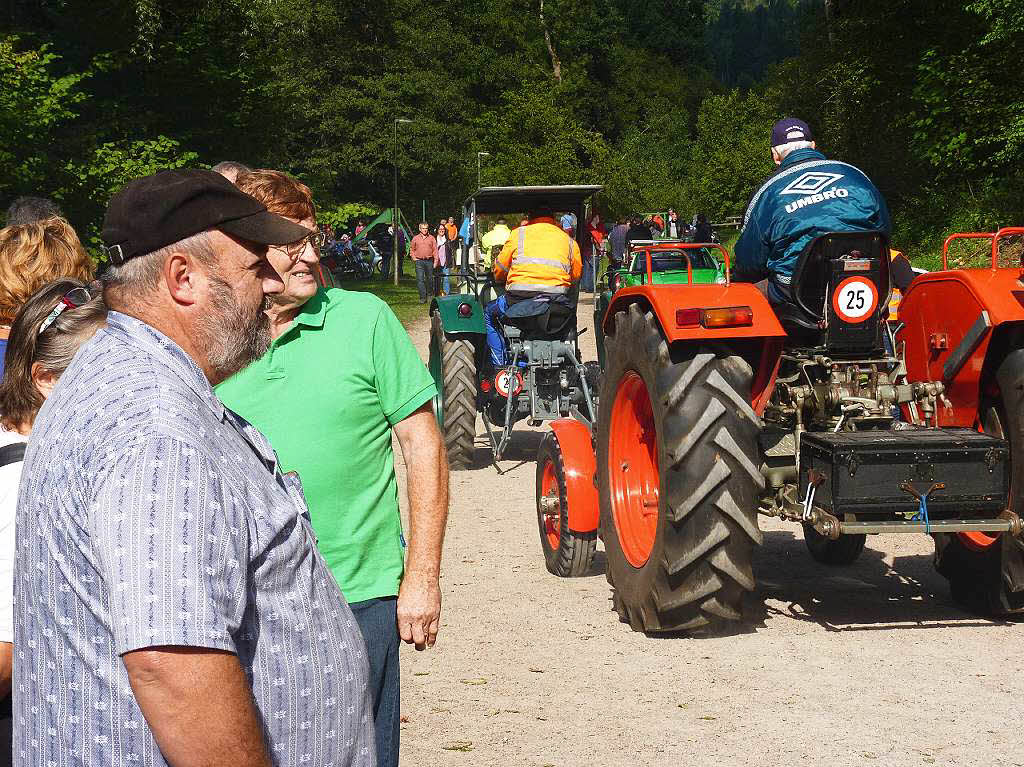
{"points": [[556, 64], [831, 11]]}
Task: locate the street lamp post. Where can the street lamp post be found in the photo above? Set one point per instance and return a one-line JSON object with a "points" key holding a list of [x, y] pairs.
{"points": [[394, 211], [478, 156]]}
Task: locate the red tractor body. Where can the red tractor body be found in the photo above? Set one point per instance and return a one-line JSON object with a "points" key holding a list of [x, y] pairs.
{"points": [[716, 407]]}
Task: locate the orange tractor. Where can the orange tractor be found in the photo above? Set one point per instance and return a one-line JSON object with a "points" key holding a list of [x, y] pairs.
{"points": [[716, 407]]}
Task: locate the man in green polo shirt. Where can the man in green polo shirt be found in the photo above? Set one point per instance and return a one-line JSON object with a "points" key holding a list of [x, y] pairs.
{"points": [[340, 375]]}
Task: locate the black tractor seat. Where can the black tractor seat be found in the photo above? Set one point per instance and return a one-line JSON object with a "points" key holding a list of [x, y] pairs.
{"points": [[802, 327], [541, 319]]}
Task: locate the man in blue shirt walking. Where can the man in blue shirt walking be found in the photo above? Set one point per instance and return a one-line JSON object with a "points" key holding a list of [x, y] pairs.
{"points": [[809, 195]]}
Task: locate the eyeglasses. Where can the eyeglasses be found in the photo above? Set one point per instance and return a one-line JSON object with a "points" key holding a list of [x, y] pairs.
{"points": [[317, 239], [73, 299]]}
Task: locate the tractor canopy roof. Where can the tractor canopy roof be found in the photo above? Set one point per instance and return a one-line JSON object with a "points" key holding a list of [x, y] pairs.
{"points": [[519, 199]]}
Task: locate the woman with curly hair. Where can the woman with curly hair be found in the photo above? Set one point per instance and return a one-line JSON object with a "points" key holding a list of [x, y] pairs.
{"points": [[32, 255]]}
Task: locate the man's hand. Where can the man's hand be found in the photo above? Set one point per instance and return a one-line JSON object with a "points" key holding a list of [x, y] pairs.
{"points": [[419, 598], [199, 705], [419, 610]]}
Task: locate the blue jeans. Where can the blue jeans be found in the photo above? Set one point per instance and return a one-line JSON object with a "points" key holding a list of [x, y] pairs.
{"points": [[493, 315], [379, 626], [587, 284], [446, 286]]}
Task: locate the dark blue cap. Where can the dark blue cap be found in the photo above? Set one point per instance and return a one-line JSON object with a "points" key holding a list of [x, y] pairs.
{"points": [[790, 129]]}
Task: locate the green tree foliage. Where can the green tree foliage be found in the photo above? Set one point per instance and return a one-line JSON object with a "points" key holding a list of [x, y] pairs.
{"points": [[664, 102], [35, 101]]}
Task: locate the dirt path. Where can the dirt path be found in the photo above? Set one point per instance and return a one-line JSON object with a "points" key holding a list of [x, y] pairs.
{"points": [[866, 665]]}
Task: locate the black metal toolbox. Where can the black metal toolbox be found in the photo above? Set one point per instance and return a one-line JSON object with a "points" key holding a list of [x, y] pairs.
{"points": [[861, 472]]}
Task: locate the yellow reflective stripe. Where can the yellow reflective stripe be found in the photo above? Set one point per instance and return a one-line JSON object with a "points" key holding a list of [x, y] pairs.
{"points": [[518, 286], [557, 263]]}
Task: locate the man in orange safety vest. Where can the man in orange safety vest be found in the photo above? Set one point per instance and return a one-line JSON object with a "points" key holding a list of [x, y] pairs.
{"points": [[540, 261]]}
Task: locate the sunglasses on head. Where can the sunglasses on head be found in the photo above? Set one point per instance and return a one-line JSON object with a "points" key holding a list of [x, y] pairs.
{"points": [[73, 299]]}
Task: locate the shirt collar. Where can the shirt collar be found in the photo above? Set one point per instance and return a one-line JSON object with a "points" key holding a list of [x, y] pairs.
{"points": [[801, 155], [166, 353], [312, 313]]}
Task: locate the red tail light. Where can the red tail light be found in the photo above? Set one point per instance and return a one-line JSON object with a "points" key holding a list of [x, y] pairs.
{"points": [[721, 317], [465, 309]]}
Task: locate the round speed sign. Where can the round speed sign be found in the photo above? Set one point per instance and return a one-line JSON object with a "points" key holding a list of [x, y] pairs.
{"points": [[854, 299]]}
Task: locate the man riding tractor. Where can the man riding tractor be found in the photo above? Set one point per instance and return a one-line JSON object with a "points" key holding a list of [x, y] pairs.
{"points": [[540, 263], [806, 197]]}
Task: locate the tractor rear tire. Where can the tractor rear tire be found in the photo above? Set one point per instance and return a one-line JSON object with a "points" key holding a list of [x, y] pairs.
{"points": [[986, 573], [842, 551], [453, 367], [566, 554], [678, 509]]}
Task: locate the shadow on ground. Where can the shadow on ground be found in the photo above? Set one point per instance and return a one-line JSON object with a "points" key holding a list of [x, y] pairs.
{"points": [[868, 595]]}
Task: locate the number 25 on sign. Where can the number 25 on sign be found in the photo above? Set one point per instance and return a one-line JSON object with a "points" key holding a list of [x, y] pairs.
{"points": [[855, 299]]}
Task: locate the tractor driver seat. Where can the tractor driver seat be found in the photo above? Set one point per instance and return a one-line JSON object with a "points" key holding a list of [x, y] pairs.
{"points": [[542, 319], [834, 269]]}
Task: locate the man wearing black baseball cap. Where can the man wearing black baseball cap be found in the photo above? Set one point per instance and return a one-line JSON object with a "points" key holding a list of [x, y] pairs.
{"points": [[186, 253], [809, 195], [187, 594]]}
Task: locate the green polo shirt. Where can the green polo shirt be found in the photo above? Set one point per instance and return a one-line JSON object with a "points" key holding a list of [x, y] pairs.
{"points": [[326, 394]]}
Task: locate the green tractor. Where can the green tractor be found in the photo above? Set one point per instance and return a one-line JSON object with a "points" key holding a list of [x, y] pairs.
{"points": [[543, 376]]}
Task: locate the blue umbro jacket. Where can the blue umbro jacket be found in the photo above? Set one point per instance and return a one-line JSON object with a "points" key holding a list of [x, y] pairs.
{"points": [[807, 196]]}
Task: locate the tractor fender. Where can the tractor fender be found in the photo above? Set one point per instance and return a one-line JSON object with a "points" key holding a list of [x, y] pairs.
{"points": [[580, 464], [956, 325], [454, 323], [665, 300], [760, 343]]}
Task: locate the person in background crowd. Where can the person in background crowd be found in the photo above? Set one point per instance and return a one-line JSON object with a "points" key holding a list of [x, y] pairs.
{"points": [[26, 210], [342, 367], [401, 250], [703, 232], [637, 230], [230, 169], [568, 222], [360, 226], [776, 229], [657, 226], [541, 261], [674, 227], [496, 238], [31, 255], [386, 244], [186, 564], [450, 226], [441, 284], [591, 256], [423, 251], [617, 241], [50, 327]]}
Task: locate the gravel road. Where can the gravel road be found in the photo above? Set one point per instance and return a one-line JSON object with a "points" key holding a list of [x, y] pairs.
{"points": [[870, 664]]}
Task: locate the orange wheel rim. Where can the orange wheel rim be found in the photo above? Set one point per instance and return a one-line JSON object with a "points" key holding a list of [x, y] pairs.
{"points": [[552, 518], [977, 540], [633, 469]]}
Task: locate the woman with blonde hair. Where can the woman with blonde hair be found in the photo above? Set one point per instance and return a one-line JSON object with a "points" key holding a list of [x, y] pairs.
{"points": [[45, 336], [32, 255]]}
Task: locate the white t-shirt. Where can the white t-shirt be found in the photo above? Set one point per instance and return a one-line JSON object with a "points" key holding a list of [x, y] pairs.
{"points": [[10, 478]]}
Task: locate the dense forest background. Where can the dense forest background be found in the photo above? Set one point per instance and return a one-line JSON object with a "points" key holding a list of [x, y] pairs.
{"points": [[664, 102]]}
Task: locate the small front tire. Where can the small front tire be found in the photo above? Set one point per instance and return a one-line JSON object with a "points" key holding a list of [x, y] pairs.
{"points": [[566, 553]]}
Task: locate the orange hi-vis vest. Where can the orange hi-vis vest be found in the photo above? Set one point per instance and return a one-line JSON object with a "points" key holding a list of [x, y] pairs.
{"points": [[539, 258]]}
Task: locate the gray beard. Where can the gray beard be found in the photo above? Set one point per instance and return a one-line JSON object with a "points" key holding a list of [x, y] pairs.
{"points": [[233, 337]]}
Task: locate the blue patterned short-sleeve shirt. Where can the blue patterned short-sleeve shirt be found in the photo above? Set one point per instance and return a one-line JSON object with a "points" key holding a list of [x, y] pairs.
{"points": [[151, 515]]}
